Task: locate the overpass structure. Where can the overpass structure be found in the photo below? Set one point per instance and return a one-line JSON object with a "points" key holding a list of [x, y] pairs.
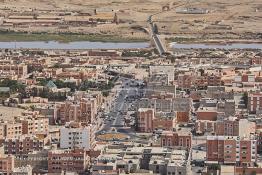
{"points": [[159, 45], [155, 37]]}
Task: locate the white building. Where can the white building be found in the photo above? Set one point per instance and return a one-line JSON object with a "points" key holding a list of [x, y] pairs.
{"points": [[73, 135], [28, 170], [169, 70]]}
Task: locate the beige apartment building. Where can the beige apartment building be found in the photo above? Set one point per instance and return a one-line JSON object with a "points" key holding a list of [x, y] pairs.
{"points": [[229, 127], [25, 125], [35, 125], [83, 110], [10, 130], [14, 69]]}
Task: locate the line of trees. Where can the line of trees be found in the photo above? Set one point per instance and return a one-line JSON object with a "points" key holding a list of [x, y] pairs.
{"points": [[14, 85]]}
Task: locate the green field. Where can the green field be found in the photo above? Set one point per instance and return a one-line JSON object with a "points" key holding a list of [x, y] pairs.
{"points": [[12, 36]]}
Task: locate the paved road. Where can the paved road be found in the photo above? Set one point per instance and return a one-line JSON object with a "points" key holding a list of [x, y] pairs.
{"points": [[158, 43], [119, 107]]}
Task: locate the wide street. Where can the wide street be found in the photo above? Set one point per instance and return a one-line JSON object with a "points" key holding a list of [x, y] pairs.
{"points": [[123, 102]]}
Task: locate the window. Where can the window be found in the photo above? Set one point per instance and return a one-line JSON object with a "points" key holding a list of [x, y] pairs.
{"points": [[169, 142], [180, 142], [228, 146], [164, 142]]}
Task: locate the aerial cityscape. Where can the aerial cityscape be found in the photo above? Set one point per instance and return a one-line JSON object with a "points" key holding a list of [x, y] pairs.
{"points": [[138, 87]]}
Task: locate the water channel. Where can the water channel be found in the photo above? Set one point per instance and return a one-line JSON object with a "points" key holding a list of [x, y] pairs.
{"points": [[72, 45], [118, 45], [217, 46]]}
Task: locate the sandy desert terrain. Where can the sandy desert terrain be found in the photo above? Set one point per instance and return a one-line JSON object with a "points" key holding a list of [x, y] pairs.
{"points": [[235, 19]]}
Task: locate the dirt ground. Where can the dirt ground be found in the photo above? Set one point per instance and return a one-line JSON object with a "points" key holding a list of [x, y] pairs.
{"points": [[235, 19], [9, 113]]}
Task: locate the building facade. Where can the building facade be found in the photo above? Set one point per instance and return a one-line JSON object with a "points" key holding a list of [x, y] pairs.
{"points": [[67, 160], [7, 164], [173, 139], [14, 69], [255, 102], [145, 119], [83, 110], [23, 145], [10, 130], [77, 136], [231, 150], [35, 125]]}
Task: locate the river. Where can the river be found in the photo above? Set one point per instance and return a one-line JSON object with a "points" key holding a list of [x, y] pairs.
{"points": [[112, 45], [72, 45], [217, 46]]}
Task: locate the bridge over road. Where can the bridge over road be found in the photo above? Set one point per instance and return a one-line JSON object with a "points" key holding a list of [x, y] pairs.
{"points": [[159, 45], [156, 39]]}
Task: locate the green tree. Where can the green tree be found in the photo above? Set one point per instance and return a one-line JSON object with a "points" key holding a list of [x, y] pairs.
{"points": [[14, 85], [71, 85], [59, 84], [214, 167], [43, 82]]}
